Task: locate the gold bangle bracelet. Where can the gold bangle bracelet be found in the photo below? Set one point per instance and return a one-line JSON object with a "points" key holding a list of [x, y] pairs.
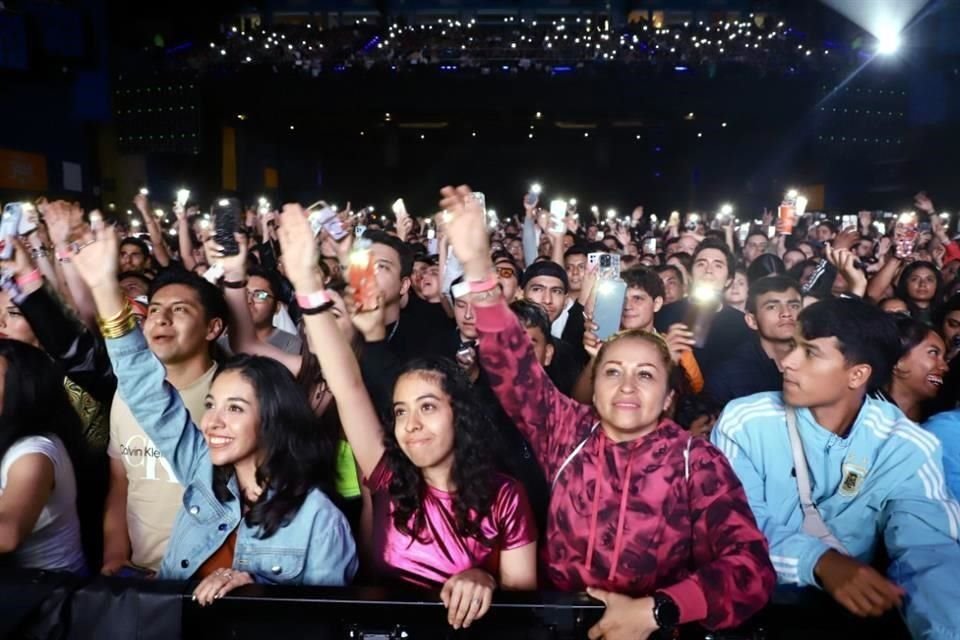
{"points": [[120, 329]]}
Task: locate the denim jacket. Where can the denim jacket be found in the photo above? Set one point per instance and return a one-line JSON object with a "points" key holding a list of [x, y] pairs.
{"points": [[315, 548]]}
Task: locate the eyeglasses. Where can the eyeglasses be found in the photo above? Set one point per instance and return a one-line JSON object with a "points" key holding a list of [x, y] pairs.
{"points": [[506, 272], [259, 295]]}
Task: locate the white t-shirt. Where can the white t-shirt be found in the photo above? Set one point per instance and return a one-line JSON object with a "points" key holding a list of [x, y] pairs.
{"points": [[55, 542]]}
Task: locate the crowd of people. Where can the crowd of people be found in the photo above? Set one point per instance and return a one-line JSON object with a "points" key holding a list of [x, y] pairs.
{"points": [[674, 416], [523, 44]]}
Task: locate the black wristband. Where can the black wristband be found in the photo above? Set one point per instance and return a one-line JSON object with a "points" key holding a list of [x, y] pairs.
{"points": [[237, 284], [312, 311]]}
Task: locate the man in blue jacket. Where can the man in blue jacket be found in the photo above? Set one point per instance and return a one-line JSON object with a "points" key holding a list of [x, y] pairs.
{"points": [[831, 475]]}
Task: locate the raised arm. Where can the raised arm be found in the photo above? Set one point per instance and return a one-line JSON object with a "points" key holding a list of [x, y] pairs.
{"points": [[184, 239], [141, 377], [160, 250], [337, 361], [243, 336], [547, 418]]}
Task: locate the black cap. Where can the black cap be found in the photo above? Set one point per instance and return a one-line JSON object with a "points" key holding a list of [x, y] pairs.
{"points": [[545, 268]]}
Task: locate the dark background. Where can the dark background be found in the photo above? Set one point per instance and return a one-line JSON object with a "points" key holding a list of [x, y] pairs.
{"points": [[71, 92]]}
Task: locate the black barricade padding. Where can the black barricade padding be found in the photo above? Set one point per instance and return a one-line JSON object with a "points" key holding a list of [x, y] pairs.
{"points": [[34, 605], [109, 608], [40, 605], [382, 614]]}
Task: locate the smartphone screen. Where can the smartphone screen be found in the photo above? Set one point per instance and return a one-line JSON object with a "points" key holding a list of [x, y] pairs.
{"points": [[361, 275], [609, 307], [226, 222]]}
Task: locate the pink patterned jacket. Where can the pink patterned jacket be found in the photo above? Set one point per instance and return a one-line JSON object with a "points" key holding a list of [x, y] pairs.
{"points": [[663, 512]]}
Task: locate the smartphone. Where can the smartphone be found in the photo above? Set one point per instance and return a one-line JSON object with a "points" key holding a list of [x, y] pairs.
{"points": [[650, 246], [608, 309], [9, 228], [704, 304], [607, 264], [227, 213], [906, 234], [359, 230], [399, 208], [361, 273], [326, 219], [772, 232], [558, 214]]}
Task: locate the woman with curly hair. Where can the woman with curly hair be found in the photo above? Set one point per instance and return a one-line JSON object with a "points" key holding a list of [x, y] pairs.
{"points": [[442, 517]]}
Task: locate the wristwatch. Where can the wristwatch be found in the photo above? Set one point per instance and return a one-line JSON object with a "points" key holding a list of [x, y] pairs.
{"points": [[666, 613]]}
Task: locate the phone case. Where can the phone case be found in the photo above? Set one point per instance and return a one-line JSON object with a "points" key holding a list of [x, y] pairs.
{"points": [[9, 226], [226, 222], [361, 275], [609, 307]]}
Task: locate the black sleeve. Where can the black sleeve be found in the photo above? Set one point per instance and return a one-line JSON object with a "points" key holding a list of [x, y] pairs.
{"points": [[574, 329], [82, 354]]}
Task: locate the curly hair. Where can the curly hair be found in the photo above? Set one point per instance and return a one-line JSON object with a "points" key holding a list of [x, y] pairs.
{"points": [[473, 468], [298, 456]]}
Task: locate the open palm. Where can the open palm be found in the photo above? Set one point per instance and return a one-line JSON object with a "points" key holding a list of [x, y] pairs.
{"points": [[299, 250], [96, 261]]}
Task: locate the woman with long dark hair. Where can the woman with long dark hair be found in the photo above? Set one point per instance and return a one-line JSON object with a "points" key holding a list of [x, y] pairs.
{"points": [[258, 475], [919, 374], [40, 448], [920, 286], [441, 516]]}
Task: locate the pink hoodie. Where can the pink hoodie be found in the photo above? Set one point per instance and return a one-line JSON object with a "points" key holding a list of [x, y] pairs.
{"points": [[623, 517]]}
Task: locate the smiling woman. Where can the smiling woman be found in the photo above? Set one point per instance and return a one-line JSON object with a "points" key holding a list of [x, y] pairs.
{"points": [[918, 375], [622, 473], [257, 472]]}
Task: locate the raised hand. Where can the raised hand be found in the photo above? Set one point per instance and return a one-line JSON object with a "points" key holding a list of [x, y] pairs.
{"points": [[845, 263], [142, 204], [466, 227], [923, 202], [96, 261], [234, 267], [58, 217], [679, 340], [299, 249], [846, 239]]}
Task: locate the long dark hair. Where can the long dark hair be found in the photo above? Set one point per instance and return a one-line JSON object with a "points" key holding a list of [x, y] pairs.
{"points": [[473, 467], [901, 289], [298, 456], [35, 402]]}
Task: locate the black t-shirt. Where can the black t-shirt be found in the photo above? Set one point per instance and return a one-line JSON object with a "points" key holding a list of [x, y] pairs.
{"points": [[750, 371], [727, 334], [421, 324]]}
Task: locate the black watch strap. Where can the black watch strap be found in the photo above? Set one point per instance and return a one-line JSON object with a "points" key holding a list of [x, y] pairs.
{"points": [[666, 613]]}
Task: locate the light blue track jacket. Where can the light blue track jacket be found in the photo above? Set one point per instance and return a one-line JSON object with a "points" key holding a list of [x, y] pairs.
{"points": [[884, 479]]}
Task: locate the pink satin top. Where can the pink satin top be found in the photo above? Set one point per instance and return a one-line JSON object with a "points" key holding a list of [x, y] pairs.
{"points": [[443, 553]]}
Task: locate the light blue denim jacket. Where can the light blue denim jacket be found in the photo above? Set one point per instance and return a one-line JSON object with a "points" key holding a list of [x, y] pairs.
{"points": [[315, 548]]}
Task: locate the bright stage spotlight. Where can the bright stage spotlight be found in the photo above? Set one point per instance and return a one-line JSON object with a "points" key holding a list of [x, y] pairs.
{"points": [[888, 41]]}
